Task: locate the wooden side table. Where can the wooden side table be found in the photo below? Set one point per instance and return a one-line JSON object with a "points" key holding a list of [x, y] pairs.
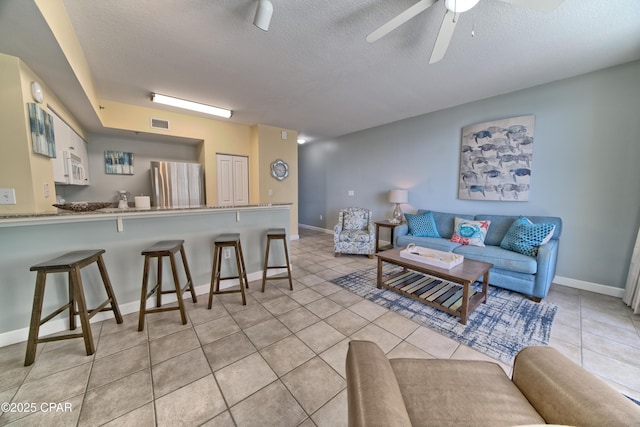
{"points": [[385, 224]]}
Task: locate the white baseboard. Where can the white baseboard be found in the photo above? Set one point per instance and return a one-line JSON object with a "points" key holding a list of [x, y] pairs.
{"points": [[311, 227], [60, 325], [589, 286]]}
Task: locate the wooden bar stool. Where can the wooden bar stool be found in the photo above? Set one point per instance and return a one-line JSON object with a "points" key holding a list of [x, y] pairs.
{"points": [[159, 250], [276, 234], [230, 240], [70, 263]]}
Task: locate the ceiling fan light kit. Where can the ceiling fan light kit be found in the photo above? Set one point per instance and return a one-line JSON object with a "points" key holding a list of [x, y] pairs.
{"points": [[190, 105], [264, 11], [453, 9], [459, 6]]}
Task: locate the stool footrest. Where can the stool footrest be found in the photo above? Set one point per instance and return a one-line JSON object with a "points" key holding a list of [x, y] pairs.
{"points": [[99, 308], [160, 309], [227, 291], [55, 313], [60, 337]]}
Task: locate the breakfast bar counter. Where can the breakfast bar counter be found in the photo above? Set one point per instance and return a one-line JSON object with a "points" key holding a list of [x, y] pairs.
{"points": [[28, 239]]}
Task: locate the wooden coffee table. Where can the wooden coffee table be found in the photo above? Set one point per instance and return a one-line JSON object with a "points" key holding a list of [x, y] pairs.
{"points": [[446, 290]]}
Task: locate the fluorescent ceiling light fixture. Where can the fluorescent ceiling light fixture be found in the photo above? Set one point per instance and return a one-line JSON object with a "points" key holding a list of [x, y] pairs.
{"points": [[301, 141], [190, 105], [263, 15]]}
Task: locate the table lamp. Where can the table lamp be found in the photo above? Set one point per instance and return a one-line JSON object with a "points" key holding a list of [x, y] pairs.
{"points": [[398, 196]]}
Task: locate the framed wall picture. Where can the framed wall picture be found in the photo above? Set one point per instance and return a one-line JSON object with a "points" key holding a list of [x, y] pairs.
{"points": [[118, 163], [495, 160], [42, 133]]}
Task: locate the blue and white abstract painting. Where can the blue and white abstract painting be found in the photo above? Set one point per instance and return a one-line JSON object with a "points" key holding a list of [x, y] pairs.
{"points": [[495, 160]]}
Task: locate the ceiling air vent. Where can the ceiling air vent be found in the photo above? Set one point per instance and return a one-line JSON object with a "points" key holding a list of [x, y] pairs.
{"points": [[160, 124]]}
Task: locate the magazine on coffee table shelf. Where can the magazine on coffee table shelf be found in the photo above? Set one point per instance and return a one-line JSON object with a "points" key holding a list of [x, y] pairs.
{"points": [[433, 257]]}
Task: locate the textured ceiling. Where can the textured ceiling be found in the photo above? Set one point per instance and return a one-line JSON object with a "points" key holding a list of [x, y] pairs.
{"points": [[313, 70]]}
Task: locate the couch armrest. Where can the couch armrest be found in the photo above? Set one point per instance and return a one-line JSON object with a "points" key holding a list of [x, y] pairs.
{"points": [[564, 393], [547, 259], [371, 230], [373, 395], [401, 230]]}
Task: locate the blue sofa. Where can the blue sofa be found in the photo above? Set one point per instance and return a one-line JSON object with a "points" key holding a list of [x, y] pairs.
{"points": [[511, 270]]}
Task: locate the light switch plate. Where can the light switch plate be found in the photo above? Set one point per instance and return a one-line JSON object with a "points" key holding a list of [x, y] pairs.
{"points": [[7, 196]]}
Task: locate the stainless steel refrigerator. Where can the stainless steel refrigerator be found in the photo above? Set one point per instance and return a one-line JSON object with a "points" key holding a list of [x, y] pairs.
{"points": [[177, 185]]}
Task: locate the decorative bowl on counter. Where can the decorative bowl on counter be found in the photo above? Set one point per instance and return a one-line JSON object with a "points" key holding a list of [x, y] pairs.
{"points": [[83, 206]]}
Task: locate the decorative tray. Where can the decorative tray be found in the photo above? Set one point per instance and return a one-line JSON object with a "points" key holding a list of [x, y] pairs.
{"points": [[83, 206], [433, 257]]}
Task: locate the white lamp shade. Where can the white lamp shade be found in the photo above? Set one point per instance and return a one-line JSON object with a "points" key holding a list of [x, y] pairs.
{"points": [[398, 196]]}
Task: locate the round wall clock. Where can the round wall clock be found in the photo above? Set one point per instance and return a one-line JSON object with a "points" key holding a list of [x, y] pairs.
{"points": [[36, 92], [279, 170]]}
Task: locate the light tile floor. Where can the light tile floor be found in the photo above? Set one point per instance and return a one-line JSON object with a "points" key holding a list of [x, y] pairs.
{"points": [[279, 360]]}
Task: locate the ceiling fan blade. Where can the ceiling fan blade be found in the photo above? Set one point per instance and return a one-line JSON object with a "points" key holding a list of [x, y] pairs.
{"points": [[444, 37], [542, 5], [400, 19]]}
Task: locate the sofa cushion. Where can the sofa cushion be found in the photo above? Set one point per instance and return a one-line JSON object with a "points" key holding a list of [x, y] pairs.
{"points": [[446, 392], [501, 223], [354, 236], [445, 222], [422, 225], [439, 244], [468, 232], [498, 228], [355, 219], [500, 258], [524, 237]]}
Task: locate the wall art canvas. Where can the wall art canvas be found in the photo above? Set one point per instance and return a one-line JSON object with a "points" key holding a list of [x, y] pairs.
{"points": [[118, 163], [495, 160], [42, 136]]}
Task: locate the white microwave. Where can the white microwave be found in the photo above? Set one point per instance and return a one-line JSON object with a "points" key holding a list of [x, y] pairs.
{"points": [[73, 169]]}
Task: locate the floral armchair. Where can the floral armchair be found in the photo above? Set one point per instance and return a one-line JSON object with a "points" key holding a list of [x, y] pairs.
{"points": [[355, 232]]}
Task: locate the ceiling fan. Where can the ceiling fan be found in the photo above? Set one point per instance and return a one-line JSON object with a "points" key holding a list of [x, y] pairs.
{"points": [[454, 9]]}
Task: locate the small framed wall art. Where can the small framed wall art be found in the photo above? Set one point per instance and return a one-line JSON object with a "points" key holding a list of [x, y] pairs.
{"points": [[118, 163], [495, 160], [42, 133]]}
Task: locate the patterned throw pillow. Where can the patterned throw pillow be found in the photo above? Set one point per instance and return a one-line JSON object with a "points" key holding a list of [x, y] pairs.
{"points": [[468, 232], [525, 237], [422, 225]]}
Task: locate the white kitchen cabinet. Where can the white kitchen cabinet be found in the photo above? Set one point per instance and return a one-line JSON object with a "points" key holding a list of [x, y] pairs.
{"points": [[68, 143], [61, 134]]}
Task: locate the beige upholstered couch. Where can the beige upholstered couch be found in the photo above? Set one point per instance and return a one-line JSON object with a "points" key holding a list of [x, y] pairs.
{"points": [[546, 388]]}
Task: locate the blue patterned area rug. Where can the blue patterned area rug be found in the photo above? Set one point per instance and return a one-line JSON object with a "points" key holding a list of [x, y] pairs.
{"points": [[500, 328]]}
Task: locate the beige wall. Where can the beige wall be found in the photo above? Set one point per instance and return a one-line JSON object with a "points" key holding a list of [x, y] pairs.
{"points": [[15, 153], [271, 147], [20, 168]]}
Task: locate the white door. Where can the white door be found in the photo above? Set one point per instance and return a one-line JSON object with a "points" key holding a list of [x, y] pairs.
{"points": [[233, 180]]}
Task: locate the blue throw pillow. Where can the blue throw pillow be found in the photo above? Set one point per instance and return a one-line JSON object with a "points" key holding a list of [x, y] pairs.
{"points": [[422, 225], [524, 236]]}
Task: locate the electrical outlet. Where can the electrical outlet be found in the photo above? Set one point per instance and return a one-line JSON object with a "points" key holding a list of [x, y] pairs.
{"points": [[226, 253], [321, 217], [351, 193], [7, 196], [46, 190]]}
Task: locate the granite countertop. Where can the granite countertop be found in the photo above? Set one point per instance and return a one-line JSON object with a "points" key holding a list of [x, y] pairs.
{"points": [[112, 212]]}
